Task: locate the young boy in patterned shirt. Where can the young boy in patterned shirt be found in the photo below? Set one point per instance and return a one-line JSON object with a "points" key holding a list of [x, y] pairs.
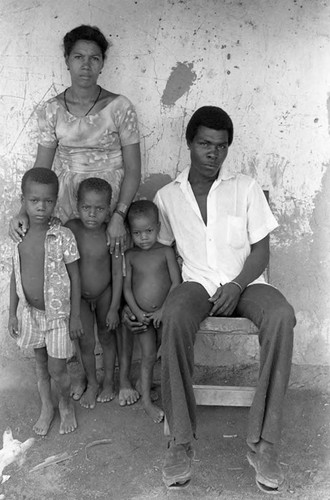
{"points": [[45, 280]]}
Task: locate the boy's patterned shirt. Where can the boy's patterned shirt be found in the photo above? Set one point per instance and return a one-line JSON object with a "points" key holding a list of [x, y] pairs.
{"points": [[60, 249]]}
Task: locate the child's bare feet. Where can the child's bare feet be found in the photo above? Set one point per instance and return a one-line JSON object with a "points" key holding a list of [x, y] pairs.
{"points": [[78, 378], [88, 399], [41, 427], [153, 411], [128, 396], [68, 418], [77, 391], [107, 394]]}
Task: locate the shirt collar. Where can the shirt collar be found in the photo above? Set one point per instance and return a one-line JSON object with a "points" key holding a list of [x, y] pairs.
{"points": [[224, 175]]}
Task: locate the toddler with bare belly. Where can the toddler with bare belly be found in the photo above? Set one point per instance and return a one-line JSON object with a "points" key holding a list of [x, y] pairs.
{"points": [[151, 273]]}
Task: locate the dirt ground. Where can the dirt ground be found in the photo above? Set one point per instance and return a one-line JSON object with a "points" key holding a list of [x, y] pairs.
{"points": [[128, 466]]}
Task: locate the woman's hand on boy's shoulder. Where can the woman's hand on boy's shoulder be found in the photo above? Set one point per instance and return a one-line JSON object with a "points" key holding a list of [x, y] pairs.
{"points": [[18, 227]]}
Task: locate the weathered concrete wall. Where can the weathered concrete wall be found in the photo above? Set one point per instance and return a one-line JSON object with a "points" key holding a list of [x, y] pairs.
{"points": [[266, 63]]}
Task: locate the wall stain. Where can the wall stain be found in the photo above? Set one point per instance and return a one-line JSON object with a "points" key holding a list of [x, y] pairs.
{"points": [[277, 167], [304, 266], [179, 82]]}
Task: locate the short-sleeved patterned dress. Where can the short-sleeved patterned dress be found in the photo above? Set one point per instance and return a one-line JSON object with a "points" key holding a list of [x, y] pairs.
{"points": [[90, 146]]}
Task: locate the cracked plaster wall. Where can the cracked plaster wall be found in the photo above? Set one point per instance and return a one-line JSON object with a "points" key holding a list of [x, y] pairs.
{"points": [[266, 63]]}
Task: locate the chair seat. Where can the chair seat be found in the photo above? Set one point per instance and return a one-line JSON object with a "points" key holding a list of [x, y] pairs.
{"points": [[228, 326]]}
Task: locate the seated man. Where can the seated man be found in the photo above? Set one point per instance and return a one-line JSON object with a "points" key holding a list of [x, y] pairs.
{"points": [[220, 223]]}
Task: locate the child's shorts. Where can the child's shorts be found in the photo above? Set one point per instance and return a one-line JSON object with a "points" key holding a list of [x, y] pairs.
{"points": [[36, 332]]}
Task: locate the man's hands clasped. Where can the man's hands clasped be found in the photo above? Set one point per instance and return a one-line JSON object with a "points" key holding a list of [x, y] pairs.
{"points": [[225, 300]]}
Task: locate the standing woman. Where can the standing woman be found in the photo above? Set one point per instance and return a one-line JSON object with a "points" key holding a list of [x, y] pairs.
{"points": [[88, 131]]}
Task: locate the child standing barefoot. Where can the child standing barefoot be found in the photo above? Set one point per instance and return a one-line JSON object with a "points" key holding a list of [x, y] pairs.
{"points": [[45, 276], [101, 287], [151, 273]]}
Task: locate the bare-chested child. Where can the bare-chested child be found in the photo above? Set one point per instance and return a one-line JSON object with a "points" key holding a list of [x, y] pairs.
{"points": [[151, 273], [45, 280], [101, 287]]}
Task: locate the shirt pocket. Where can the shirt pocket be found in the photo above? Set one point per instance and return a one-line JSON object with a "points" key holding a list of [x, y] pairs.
{"points": [[236, 231]]}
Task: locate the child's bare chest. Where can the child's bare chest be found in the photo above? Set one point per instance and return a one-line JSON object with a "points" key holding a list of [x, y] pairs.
{"points": [[149, 262], [32, 259], [93, 249], [32, 252]]}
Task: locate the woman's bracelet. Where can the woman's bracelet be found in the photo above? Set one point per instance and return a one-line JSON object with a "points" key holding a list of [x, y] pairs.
{"points": [[121, 209], [237, 284], [119, 212]]}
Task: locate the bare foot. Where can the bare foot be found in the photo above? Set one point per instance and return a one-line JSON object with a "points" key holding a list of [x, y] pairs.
{"points": [[153, 411], [68, 418], [128, 396], [77, 377], [88, 399], [77, 390], [107, 394], [41, 427]]}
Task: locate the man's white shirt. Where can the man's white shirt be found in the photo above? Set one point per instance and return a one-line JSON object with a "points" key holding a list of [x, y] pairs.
{"points": [[238, 215]]}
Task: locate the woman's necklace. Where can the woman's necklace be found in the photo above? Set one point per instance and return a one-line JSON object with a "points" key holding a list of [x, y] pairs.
{"points": [[90, 109]]}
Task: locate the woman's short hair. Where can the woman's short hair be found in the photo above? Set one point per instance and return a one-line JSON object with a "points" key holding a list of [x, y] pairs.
{"points": [[94, 184], [210, 117], [88, 33], [41, 176]]}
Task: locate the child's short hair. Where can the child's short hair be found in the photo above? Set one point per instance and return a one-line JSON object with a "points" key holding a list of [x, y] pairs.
{"points": [[41, 176], [94, 184], [210, 117], [142, 208]]}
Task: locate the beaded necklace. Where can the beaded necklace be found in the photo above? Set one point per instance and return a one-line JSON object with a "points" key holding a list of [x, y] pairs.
{"points": [[90, 109]]}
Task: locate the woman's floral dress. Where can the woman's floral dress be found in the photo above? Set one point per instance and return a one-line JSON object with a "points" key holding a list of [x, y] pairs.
{"points": [[89, 146]]}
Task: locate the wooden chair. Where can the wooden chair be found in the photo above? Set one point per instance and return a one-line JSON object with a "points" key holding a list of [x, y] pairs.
{"points": [[224, 395]]}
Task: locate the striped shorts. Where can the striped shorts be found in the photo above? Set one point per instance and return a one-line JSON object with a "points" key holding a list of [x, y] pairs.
{"points": [[36, 332]]}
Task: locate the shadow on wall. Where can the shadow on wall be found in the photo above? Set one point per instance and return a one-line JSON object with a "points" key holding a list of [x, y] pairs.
{"points": [[152, 184]]}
